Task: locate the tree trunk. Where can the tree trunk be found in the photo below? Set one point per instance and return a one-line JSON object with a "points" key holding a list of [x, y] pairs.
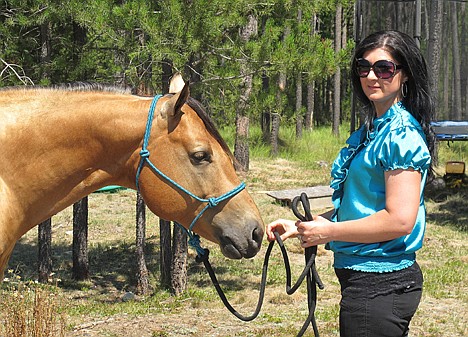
{"points": [[275, 118], [142, 285], [165, 259], [145, 76], [241, 146], [179, 261], [456, 107], [44, 234], [299, 120], [309, 119], [80, 268], [464, 51], [45, 228], [46, 49], [463, 15], [337, 76], [275, 125], [446, 73], [435, 38], [266, 115]]}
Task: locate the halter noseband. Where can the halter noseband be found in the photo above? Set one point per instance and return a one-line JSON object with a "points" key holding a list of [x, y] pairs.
{"points": [[194, 239]]}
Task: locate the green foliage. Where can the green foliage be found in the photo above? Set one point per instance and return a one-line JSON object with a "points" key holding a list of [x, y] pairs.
{"points": [[127, 41]]}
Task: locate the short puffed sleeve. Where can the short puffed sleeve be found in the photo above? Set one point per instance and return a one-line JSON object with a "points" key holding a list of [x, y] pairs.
{"points": [[405, 147]]}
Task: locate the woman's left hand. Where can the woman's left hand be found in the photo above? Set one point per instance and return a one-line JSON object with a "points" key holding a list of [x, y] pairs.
{"points": [[316, 232]]}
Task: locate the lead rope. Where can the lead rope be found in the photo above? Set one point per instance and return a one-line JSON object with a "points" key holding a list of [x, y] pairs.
{"points": [[203, 254], [307, 272]]}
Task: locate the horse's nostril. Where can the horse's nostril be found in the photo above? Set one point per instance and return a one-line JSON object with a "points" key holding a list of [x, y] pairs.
{"points": [[257, 235]]}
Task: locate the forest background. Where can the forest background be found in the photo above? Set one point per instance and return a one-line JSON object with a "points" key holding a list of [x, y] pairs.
{"points": [[271, 63]]}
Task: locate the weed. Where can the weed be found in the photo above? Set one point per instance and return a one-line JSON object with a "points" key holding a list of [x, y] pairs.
{"points": [[30, 310]]}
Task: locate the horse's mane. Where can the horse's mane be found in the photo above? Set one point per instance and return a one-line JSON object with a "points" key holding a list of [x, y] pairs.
{"points": [[103, 87], [77, 86], [93, 86]]}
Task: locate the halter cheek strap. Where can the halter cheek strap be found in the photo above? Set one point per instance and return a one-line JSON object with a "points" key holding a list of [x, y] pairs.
{"points": [[194, 239]]}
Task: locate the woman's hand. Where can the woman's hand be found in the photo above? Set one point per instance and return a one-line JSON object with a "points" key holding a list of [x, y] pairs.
{"points": [[285, 228], [310, 233], [313, 233]]}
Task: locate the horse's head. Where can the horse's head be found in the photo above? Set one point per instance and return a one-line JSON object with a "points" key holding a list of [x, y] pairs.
{"points": [[186, 147]]}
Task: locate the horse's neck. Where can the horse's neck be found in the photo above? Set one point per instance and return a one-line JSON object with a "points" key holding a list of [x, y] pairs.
{"points": [[73, 143]]}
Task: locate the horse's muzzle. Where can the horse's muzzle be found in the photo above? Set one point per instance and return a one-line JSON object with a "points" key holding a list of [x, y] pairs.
{"points": [[236, 246]]}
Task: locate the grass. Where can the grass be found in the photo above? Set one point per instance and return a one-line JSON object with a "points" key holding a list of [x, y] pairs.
{"points": [[95, 307]]}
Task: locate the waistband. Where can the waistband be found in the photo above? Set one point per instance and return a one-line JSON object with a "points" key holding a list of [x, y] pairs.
{"points": [[376, 264]]}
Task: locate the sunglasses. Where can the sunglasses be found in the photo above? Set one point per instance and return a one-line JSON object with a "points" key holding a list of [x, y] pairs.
{"points": [[383, 69]]}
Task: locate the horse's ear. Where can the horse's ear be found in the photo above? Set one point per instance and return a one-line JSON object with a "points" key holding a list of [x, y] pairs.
{"points": [[173, 105], [176, 84]]}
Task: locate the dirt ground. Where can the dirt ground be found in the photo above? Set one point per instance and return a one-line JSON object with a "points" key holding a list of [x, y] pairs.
{"points": [[442, 313]]}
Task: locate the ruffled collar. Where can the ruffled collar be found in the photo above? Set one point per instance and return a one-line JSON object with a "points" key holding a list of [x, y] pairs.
{"points": [[357, 141], [395, 109]]}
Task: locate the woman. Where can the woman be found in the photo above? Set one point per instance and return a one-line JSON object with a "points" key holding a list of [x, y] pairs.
{"points": [[378, 220]]}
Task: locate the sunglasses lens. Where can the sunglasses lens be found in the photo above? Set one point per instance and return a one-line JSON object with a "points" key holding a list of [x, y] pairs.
{"points": [[384, 69], [363, 67]]}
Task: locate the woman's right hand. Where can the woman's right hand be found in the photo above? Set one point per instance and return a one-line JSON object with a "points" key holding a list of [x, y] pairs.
{"points": [[285, 228]]}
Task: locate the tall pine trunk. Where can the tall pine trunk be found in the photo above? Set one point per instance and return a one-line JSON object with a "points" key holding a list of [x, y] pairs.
{"points": [[144, 88], [456, 107], [337, 76], [241, 146], [45, 228], [435, 38], [299, 118], [309, 118]]}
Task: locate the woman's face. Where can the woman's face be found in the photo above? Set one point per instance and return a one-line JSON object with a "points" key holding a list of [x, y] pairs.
{"points": [[382, 92]]}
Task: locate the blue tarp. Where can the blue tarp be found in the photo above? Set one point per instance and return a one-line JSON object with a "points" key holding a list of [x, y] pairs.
{"points": [[110, 188]]}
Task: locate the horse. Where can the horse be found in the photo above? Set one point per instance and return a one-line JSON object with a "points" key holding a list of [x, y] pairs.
{"points": [[59, 144]]}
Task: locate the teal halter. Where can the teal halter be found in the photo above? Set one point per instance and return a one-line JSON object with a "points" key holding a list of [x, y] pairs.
{"points": [[194, 239]]}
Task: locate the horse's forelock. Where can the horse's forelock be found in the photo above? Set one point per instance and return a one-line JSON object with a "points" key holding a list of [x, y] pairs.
{"points": [[198, 108]]}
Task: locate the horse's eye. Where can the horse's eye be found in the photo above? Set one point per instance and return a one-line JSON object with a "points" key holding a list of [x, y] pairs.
{"points": [[201, 156]]}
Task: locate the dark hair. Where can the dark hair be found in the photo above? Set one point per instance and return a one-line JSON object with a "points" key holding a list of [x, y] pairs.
{"points": [[418, 100]]}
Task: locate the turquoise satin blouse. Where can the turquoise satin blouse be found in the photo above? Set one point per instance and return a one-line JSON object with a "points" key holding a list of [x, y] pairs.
{"points": [[397, 141]]}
